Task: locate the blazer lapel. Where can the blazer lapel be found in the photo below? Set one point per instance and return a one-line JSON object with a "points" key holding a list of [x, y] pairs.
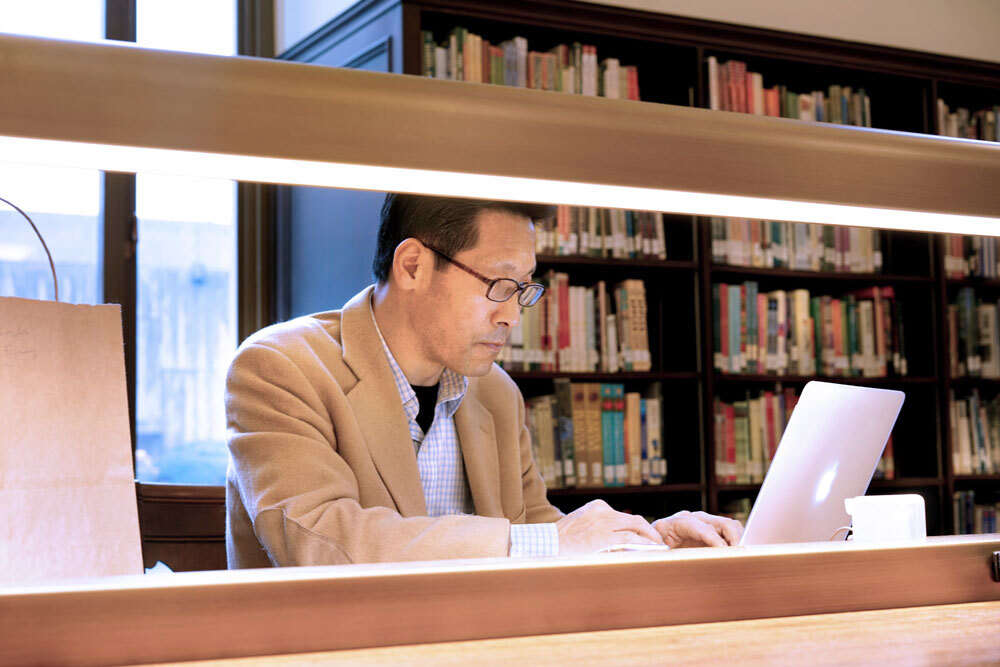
{"points": [[477, 436], [375, 401]]}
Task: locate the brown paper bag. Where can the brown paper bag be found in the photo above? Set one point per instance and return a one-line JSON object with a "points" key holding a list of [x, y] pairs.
{"points": [[67, 496]]}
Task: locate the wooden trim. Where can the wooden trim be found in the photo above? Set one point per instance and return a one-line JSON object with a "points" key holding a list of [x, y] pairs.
{"points": [[119, 266], [101, 93], [119, 20], [255, 20], [179, 493], [206, 615], [256, 258]]}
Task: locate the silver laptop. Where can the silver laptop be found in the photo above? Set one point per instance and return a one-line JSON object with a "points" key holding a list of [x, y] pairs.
{"points": [[828, 452]]}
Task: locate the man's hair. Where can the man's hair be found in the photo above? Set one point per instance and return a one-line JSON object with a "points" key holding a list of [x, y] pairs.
{"points": [[447, 223]]}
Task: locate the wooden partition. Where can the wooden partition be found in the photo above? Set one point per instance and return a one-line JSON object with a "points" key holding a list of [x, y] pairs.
{"points": [[182, 526], [203, 615]]}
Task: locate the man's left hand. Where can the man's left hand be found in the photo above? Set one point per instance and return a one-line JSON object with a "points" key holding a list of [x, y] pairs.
{"points": [[698, 529]]}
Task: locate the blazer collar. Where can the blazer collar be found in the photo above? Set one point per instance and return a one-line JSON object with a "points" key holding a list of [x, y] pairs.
{"points": [[474, 425], [375, 401]]}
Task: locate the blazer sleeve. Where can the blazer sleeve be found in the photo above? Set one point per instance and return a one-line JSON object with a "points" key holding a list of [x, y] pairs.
{"points": [[301, 493]]}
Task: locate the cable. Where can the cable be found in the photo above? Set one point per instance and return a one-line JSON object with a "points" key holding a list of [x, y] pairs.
{"points": [[52, 265], [847, 528]]}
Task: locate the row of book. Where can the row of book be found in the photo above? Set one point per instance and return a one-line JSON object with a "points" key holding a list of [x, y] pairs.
{"points": [[592, 434], [967, 124], [795, 245], [581, 329], [975, 434], [973, 336], [795, 333], [573, 68], [603, 232], [747, 433], [975, 256], [731, 87], [973, 518]]}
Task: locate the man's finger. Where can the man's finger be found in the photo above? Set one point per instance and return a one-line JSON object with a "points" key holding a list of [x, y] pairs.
{"points": [[642, 527], [730, 529], [708, 533], [631, 537]]}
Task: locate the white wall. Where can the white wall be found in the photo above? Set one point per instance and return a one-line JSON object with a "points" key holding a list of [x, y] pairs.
{"points": [[964, 28]]}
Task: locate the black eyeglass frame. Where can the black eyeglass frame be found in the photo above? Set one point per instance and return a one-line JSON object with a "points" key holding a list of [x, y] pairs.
{"points": [[490, 282]]}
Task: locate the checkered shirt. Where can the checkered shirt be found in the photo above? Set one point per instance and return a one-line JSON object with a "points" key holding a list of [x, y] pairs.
{"points": [[439, 460]]}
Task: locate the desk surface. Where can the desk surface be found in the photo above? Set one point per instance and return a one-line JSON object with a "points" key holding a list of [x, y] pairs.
{"points": [[963, 634]]}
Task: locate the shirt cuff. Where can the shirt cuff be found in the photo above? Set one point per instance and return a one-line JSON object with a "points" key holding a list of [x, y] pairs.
{"points": [[533, 540]]}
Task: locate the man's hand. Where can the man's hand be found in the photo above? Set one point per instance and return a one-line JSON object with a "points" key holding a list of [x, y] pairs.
{"points": [[595, 526], [698, 529]]}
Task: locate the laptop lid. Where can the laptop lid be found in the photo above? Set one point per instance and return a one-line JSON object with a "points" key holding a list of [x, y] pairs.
{"points": [[828, 452]]}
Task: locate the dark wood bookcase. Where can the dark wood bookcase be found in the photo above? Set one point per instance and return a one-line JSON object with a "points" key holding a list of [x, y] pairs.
{"points": [[672, 54]]}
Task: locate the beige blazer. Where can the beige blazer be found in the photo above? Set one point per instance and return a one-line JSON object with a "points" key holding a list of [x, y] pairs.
{"points": [[322, 468]]}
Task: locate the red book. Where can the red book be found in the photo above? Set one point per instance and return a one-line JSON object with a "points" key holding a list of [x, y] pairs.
{"points": [[772, 107], [633, 82], [791, 399], [564, 321], [735, 84]]}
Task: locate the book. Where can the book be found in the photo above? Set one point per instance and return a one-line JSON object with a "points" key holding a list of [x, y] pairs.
{"points": [[565, 430]]}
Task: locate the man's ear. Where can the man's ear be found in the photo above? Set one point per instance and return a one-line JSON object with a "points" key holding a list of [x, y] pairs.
{"points": [[411, 262]]}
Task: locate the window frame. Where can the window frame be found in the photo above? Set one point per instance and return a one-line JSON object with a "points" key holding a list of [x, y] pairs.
{"points": [[255, 229]]}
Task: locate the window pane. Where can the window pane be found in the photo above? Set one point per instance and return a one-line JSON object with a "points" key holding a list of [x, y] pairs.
{"points": [[186, 294], [61, 19], [64, 203]]}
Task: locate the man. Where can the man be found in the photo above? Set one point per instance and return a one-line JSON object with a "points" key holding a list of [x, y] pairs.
{"points": [[385, 432]]}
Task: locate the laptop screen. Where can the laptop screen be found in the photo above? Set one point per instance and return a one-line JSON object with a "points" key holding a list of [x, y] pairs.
{"points": [[828, 452]]}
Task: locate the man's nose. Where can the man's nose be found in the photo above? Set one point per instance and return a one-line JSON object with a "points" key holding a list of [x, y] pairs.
{"points": [[509, 312]]}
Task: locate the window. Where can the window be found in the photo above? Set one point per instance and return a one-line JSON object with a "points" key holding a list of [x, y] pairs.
{"points": [[186, 291], [64, 203]]}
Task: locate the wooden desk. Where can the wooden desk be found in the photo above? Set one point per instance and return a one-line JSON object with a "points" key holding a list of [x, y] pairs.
{"points": [[964, 634], [278, 612]]}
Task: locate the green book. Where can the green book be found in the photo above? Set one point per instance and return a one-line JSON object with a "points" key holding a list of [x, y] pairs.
{"points": [[607, 433], [564, 430]]}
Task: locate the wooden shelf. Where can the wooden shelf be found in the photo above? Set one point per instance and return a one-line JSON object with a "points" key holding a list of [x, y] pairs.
{"points": [[580, 260], [627, 490], [906, 482], [976, 478], [970, 382], [731, 378], [603, 377], [899, 482], [986, 283], [727, 270]]}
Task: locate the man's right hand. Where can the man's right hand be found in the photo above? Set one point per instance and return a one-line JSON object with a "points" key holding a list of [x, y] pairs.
{"points": [[595, 526]]}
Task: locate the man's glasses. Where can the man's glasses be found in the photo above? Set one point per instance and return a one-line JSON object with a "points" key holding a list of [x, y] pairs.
{"points": [[501, 289]]}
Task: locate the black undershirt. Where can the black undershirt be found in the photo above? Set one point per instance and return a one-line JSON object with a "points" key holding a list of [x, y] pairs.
{"points": [[426, 399]]}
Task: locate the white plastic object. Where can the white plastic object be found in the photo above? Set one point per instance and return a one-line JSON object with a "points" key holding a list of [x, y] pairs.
{"points": [[892, 517]]}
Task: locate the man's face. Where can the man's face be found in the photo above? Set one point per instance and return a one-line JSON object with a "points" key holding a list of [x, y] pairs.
{"points": [[462, 329]]}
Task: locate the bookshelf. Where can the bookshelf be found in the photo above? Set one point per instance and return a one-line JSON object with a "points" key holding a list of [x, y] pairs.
{"points": [[672, 56]]}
